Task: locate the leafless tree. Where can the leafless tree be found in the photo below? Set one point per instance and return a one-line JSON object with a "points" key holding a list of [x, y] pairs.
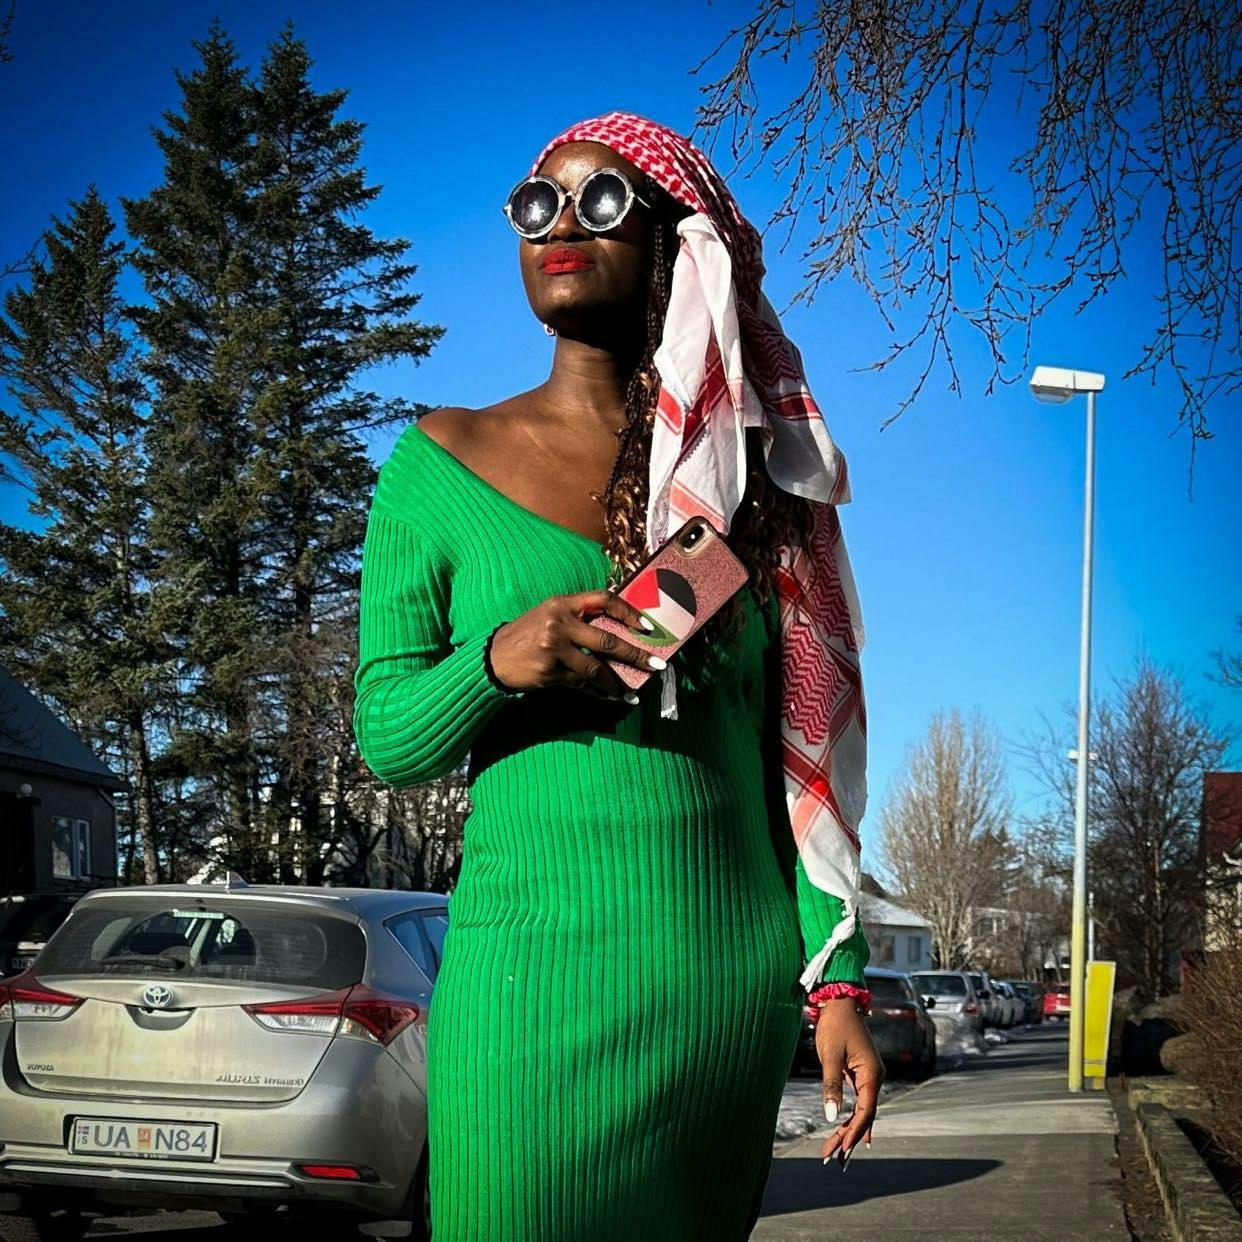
{"points": [[1229, 666], [914, 126], [942, 829], [1150, 749]]}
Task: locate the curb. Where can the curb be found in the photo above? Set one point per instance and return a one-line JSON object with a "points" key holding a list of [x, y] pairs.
{"points": [[1197, 1208]]}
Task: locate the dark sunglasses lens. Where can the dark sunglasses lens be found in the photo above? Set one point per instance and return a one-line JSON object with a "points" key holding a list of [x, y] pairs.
{"points": [[532, 208], [602, 201]]}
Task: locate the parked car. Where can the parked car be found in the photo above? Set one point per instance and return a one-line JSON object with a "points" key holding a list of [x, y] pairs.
{"points": [[1013, 1008], [1032, 998], [237, 1049], [901, 1028], [1057, 1002], [950, 996], [27, 920], [989, 1001]]}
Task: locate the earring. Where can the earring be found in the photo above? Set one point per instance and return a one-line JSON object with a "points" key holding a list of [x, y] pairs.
{"points": [[549, 329]]}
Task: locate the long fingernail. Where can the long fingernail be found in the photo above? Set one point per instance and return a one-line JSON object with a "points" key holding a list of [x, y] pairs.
{"points": [[646, 624], [830, 1110], [631, 698], [867, 1144], [846, 1160], [656, 663]]}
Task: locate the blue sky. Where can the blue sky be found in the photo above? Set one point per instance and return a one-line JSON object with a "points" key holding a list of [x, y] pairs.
{"points": [[966, 526]]}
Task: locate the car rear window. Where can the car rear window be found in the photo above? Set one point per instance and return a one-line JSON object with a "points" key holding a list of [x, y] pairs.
{"points": [[884, 989], [941, 985], [241, 942]]}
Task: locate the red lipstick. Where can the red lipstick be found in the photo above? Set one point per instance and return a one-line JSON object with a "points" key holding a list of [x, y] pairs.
{"points": [[565, 260]]}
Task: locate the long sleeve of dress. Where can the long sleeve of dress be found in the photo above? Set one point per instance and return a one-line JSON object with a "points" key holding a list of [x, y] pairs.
{"points": [[818, 912], [421, 701]]}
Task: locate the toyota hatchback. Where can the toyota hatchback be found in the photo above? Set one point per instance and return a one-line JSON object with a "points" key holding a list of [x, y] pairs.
{"points": [[248, 1050]]}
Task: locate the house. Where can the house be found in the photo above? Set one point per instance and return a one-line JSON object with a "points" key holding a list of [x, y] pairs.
{"points": [[899, 939], [57, 821], [1220, 844]]}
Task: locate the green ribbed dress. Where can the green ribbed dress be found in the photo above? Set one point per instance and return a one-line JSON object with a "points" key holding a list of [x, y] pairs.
{"points": [[618, 1003]]}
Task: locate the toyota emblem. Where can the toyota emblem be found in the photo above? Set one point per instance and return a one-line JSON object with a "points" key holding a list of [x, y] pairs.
{"points": [[157, 996]]}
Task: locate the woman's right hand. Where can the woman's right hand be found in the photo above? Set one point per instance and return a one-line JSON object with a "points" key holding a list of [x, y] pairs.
{"points": [[544, 647]]}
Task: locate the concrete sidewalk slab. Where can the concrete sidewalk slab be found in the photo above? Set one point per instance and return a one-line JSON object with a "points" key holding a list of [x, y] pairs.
{"points": [[996, 1150]]}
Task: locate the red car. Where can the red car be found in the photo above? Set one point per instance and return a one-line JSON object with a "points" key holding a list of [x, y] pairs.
{"points": [[1057, 1001]]}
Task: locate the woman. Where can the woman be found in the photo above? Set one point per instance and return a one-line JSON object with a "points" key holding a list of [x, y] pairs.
{"points": [[619, 998]]}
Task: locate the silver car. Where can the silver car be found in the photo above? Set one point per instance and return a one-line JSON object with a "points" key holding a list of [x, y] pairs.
{"points": [[252, 1050], [954, 994]]}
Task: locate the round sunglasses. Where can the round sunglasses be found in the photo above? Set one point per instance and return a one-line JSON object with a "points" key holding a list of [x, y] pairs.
{"points": [[601, 202]]}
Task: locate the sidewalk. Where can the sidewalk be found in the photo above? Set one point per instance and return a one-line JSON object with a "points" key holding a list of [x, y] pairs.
{"points": [[995, 1150]]}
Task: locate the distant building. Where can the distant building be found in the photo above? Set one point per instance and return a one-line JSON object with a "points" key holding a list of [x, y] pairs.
{"points": [[899, 938], [57, 820], [1220, 844]]}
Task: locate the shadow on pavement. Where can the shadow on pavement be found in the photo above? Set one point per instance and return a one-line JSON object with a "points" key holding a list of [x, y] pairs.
{"points": [[805, 1185]]}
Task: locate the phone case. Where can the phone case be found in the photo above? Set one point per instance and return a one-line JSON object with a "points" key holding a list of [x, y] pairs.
{"points": [[678, 590]]}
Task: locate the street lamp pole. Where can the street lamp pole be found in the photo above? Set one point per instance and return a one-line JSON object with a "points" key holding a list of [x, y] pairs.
{"points": [[1058, 385], [1078, 945]]}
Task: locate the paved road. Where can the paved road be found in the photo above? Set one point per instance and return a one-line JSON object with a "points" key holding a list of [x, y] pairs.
{"points": [[994, 1150]]}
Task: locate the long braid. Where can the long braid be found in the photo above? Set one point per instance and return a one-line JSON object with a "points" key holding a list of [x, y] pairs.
{"points": [[768, 518]]}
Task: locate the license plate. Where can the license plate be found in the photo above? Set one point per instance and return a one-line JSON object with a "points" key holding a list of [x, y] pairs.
{"points": [[142, 1140]]}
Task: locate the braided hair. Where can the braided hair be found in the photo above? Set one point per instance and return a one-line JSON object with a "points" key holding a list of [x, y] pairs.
{"points": [[767, 519]]}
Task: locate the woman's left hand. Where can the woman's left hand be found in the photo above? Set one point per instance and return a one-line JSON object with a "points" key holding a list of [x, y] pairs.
{"points": [[846, 1051]]}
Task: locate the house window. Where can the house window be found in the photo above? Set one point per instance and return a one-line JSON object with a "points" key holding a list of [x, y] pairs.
{"points": [[888, 949], [914, 949], [71, 848]]}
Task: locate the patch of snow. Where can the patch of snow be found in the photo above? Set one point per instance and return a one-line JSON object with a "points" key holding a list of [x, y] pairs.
{"points": [[957, 1041], [802, 1106]]}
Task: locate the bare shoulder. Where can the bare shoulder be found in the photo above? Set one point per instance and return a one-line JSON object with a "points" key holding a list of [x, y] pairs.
{"points": [[473, 436], [450, 426]]}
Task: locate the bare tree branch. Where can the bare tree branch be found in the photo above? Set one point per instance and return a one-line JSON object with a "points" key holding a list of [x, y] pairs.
{"points": [[910, 117]]}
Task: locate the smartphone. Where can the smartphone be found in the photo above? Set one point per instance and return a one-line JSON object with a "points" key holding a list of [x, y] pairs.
{"points": [[679, 588]]}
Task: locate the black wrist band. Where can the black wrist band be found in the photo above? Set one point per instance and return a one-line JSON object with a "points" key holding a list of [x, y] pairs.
{"points": [[490, 672]]}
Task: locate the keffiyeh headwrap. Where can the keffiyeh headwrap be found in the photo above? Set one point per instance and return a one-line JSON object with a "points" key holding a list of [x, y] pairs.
{"points": [[725, 366]]}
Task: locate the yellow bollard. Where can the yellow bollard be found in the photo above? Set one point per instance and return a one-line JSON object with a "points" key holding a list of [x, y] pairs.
{"points": [[1098, 1022]]}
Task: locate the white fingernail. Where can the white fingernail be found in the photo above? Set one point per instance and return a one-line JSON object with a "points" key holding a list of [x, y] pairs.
{"points": [[632, 699], [830, 1110], [645, 622], [656, 663]]}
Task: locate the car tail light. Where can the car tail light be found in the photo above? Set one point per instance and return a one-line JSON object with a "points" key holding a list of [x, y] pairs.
{"points": [[372, 1015], [312, 1015], [337, 1172], [970, 1007], [358, 1013], [31, 1001]]}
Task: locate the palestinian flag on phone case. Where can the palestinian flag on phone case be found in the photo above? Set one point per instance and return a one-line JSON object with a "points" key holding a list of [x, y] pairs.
{"points": [[667, 600]]}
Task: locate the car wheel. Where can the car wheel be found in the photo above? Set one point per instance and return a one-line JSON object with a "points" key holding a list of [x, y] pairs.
{"points": [[420, 1202], [927, 1062], [46, 1227]]}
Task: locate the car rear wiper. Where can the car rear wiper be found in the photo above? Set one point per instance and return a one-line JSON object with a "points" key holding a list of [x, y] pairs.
{"points": [[171, 964]]}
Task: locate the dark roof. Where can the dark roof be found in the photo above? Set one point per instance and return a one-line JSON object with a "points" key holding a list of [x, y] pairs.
{"points": [[33, 738]]}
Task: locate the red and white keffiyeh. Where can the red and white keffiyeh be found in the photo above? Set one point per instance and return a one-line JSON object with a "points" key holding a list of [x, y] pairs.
{"points": [[726, 365]]}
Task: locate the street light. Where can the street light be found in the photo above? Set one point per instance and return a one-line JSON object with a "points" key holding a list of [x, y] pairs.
{"points": [[1056, 385]]}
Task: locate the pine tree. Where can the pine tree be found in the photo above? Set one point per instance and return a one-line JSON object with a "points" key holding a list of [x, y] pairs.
{"points": [[77, 622], [193, 233], [330, 301], [268, 302]]}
